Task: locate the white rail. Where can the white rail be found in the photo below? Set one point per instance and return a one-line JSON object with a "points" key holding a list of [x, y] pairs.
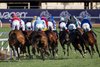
{"points": [[3, 41]]}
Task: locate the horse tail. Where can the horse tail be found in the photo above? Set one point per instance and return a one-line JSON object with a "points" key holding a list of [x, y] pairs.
{"points": [[50, 28], [13, 36], [63, 28]]}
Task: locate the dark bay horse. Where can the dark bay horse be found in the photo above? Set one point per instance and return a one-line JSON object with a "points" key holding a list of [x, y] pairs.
{"points": [[40, 42], [17, 39], [64, 40], [52, 42], [28, 43], [76, 40], [91, 40]]}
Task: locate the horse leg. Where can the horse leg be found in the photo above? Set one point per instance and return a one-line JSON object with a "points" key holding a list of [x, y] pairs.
{"points": [[63, 46], [96, 45], [28, 48], [17, 53], [82, 45], [78, 48], [92, 49], [87, 48], [42, 53], [34, 51], [68, 45], [11, 52]]}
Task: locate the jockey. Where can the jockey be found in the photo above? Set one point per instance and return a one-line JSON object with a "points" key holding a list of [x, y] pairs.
{"points": [[71, 24], [53, 22], [62, 24], [15, 22], [45, 21], [53, 25], [86, 24], [33, 21], [28, 25], [78, 22], [39, 24]]}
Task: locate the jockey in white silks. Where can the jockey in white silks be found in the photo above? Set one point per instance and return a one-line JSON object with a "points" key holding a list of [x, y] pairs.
{"points": [[28, 25], [39, 24], [86, 24], [62, 24], [33, 21], [71, 24]]}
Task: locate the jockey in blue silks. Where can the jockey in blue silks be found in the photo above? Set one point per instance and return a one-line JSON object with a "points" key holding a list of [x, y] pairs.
{"points": [[53, 22], [39, 24], [86, 24], [51, 19]]}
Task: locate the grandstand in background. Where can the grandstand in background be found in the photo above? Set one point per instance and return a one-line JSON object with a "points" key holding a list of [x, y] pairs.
{"points": [[49, 4]]}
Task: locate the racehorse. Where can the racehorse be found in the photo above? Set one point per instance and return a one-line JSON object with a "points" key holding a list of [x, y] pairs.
{"points": [[28, 43], [76, 41], [53, 41], [40, 42], [16, 39], [64, 39], [91, 40]]}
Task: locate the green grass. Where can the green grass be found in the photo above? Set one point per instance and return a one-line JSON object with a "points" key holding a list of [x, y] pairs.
{"points": [[74, 60]]}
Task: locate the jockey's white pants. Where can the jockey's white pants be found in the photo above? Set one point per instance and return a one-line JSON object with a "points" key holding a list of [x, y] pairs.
{"points": [[62, 25], [22, 25], [15, 24], [28, 25], [40, 26], [86, 27], [50, 24], [71, 26]]}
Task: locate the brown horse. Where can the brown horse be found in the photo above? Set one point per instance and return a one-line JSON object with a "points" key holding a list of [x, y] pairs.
{"points": [[40, 42], [64, 40], [17, 39], [28, 43], [91, 40], [53, 42]]}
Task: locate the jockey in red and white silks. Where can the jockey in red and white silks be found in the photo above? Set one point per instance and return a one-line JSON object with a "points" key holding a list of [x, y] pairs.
{"points": [[15, 22], [33, 22], [86, 24], [44, 19], [39, 24], [62, 24]]}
